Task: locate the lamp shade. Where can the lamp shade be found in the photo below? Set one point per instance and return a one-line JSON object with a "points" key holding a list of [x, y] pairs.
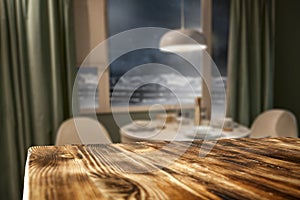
{"points": [[182, 40]]}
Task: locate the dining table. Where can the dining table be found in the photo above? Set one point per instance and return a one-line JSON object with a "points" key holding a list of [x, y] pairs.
{"points": [[144, 130], [242, 168]]}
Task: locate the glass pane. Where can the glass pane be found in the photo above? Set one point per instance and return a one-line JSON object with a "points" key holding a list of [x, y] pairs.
{"points": [[220, 30], [87, 87], [192, 13], [127, 14], [153, 93]]}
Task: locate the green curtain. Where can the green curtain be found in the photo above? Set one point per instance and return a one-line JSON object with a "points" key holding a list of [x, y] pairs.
{"points": [[250, 59], [36, 77]]}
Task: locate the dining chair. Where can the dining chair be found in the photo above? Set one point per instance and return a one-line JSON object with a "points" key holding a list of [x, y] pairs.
{"points": [[275, 123], [82, 130]]}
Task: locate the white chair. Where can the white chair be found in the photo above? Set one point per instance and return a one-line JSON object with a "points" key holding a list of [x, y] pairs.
{"points": [[82, 130], [275, 123]]}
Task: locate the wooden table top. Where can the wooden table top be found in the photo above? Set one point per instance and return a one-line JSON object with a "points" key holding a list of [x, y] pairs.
{"points": [[234, 169]]}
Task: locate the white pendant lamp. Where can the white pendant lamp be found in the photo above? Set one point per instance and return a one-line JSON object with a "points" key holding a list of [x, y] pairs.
{"points": [[182, 40]]}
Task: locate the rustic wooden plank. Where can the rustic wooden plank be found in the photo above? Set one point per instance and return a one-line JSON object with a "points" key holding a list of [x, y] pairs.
{"points": [[55, 173], [234, 169]]}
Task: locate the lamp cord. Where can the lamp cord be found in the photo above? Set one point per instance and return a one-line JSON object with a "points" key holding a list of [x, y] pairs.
{"points": [[182, 14]]}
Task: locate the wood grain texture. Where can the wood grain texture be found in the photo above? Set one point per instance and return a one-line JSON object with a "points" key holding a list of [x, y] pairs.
{"points": [[234, 169]]}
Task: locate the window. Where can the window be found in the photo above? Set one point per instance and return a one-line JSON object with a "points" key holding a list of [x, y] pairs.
{"points": [[116, 16], [153, 13]]}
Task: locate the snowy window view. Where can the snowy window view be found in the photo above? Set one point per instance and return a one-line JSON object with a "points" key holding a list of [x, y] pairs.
{"points": [[157, 93], [87, 87], [166, 83]]}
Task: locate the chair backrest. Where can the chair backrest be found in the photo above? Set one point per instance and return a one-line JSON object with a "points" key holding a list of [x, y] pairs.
{"points": [[82, 130], [275, 123]]}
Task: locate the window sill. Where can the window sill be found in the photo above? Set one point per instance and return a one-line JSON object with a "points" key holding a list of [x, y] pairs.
{"points": [[123, 109]]}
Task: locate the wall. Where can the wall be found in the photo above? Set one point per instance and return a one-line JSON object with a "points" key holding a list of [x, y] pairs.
{"points": [[89, 17], [287, 56]]}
